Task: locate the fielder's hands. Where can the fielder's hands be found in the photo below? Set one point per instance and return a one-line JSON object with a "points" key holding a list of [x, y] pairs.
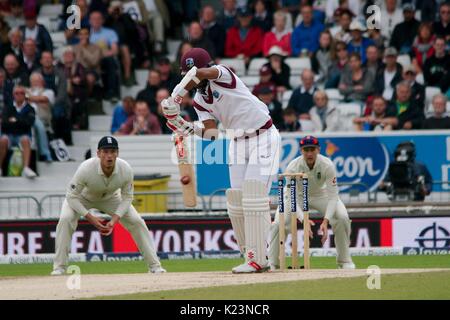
{"points": [[114, 219], [97, 223], [324, 230], [170, 108]]}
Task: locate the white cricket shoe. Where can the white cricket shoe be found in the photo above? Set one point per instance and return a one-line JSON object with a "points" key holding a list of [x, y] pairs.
{"points": [[251, 267], [58, 272], [157, 269], [28, 173], [346, 265]]}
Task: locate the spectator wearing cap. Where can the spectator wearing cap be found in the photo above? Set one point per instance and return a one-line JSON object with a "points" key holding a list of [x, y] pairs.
{"points": [[358, 43], [422, 48], [37, 32], [169, 79], [373, 60], [378, 117], [265, 80], [122, 112], [198, 39], [244, 40], [388, 75], [262, 17], [417, 89], [324, 117], [227, 16], [14, 46], [339, 63], [266, 95], [281, 72], [341, 32], [302, 97], [438, 120], [17, 121], [356, 83], [290, 121], [143, 122], [212, 29], [321, 60], [149, 93], [409, 114], [391, 16], [404, 33], [14, 75], [279, 35], [441, 27], [437, 67], [305, 38]]}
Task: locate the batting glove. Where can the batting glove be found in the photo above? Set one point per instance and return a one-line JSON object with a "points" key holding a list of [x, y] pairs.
{"points": [[170, 108], [180, 126]]}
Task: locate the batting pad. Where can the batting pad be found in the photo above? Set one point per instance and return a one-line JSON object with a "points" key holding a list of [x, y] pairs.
{"points": [[236, 214], [257, 220]]}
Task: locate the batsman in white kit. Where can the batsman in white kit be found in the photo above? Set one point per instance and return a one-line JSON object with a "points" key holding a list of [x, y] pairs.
{"points": [[323, 196], [253, 152], [105, 183]]}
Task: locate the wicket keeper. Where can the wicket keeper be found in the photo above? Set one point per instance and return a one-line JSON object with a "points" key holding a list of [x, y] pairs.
{"points": [[104, 182], [323, 197]]}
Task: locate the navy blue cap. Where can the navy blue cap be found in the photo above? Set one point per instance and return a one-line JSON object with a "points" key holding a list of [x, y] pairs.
{"points": [[309, 141], [108, 142]]}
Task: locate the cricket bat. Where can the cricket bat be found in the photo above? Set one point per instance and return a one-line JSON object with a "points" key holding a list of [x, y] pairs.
{"points": [[186, 170]]}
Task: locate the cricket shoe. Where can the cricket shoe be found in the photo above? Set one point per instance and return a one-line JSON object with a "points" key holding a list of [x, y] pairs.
{"points": [[251, 267], [157, 269], [346, 265], [58, 272]]}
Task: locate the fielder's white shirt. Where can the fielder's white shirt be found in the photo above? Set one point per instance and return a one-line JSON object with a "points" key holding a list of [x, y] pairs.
{"points": [[90, 184], [228, 100], [321, 179]]}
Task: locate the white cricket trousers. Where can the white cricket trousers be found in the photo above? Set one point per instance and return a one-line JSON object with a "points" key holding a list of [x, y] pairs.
{"points": [[132, 221], [340, 224]]}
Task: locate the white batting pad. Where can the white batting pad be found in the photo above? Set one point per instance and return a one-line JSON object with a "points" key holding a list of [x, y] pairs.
{"points": [[236, 214], [255, 202]]}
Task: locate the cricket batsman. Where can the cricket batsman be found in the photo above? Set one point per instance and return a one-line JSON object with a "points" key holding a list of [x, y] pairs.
{"points": [[105, 183], [323, 197], [253, 150]]}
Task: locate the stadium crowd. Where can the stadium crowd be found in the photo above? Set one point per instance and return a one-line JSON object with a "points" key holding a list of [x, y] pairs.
{"points": [[46, 92]]}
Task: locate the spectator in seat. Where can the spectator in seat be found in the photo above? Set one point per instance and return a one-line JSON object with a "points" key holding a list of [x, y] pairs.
{"points": [[279, 35], [341, 32], [169, 79], [162, 94], [391, 16], [441, 27], [228, 15], [72, 34], [14, 75], [373, 62], [76, 89], [265, 80], [354, 6], [321, 60], [340, 62], [149, 93], [358, 43], [108, 41], [56, 80], [122, 112], [281, 72], [4, 30], [437, 67], [143, 122], [184, 47], [409, 114], [37, 32], [379, 117], [198, 39], [213, 30], [2, 90], [262, 17], [405, 32], [16, 18], [41, 99], [31, 59], [244, 41], [305, 37], [17, 122], [265, 94], [324, 116], [422, 48], [290, 121], [356, 83], [302, 97], [90, 56], [377, 38], [388, 75], [417, 89], [14, 46], [438, 120]]}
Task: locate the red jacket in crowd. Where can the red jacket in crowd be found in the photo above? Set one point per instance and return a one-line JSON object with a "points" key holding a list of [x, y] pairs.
{"points": [[251, 46]]}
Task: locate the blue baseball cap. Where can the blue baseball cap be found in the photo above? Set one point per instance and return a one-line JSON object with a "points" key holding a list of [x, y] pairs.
{"points": [[309, 141]]}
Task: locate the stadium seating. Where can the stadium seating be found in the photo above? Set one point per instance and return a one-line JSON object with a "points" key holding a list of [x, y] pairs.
{"points": [[51, 10], [141, 77], [255, 65], [58, 38], [238, 65], [297, 65], [430, 92], [347, 112], [285, 99], [404, 60]]}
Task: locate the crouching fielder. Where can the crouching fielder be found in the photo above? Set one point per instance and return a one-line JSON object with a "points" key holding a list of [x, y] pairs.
{"points": [[104, 183], [323, 197]]}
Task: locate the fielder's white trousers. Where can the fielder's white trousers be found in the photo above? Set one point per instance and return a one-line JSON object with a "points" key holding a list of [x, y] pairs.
{"points": [[340, 224], [132, 221]]}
